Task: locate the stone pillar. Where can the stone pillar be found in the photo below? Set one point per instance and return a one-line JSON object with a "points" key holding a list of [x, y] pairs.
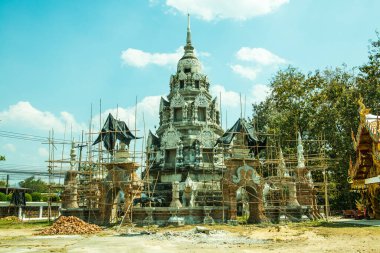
{"points": [[175, 195], [40, 212], [128, 199], [292, 194], [70, 194], [256, 207], [20, 213]]}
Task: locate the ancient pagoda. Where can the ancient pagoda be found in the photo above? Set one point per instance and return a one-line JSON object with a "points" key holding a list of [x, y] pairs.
{"points": [[182, 147]]}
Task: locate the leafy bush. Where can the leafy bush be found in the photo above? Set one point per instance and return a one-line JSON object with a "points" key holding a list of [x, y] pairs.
{"points": [[9, 196], [55, 198], [28, 197], [3, 197], [36, 196]]}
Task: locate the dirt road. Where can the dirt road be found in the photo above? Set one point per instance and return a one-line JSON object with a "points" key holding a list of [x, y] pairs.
{"points": [[326, 237]]}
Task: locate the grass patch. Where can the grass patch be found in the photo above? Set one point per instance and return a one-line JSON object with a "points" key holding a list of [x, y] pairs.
{"points": [[5, 224]]}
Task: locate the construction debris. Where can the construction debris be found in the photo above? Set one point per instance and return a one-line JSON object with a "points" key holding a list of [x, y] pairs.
{"points": [[10, 218], [70, 225], [199, 229]]}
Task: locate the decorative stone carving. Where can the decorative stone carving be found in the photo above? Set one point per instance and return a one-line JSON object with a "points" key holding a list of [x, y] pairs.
{"points": [[207, 138], [184, 112], [282, 171], [189, 193], [177, 101], [197, 76], [201, 101], [175, 195], [163, 103], [171, 138], [198, 153], [192, 63], [300, 157], [246, 173], [182, 76], [179, 156]]}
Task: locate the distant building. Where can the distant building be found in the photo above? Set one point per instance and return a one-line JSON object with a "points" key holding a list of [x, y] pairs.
{"points": [[364, 173]]}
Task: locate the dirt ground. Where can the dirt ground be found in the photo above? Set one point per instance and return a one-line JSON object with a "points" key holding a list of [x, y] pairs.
{"points": [[336, 236]]}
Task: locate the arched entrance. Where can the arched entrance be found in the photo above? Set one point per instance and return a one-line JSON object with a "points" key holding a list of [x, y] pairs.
{"points": [[244, 177]]}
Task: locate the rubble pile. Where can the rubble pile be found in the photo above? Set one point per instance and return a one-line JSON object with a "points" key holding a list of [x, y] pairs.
{"points": [[10, 218], [70, 225]]}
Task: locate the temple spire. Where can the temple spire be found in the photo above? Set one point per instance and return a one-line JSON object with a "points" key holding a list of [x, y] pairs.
{"points": [[189, 49], [188, 37]]}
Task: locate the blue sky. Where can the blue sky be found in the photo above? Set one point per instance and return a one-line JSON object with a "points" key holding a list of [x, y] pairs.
{"points": [[59, 57]]}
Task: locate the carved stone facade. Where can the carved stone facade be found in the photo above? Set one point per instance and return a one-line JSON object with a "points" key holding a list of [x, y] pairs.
{"points": [[189, 160], [188, 128]]}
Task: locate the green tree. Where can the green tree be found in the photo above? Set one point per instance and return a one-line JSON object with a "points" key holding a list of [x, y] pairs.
{"points": [[3, 183], [319, 104], [368, 80], [2, 158], [36, 185]]}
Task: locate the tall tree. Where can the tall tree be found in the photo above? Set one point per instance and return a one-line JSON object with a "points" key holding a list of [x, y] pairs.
{"points": [[369, 77], [36, 185], [318, 104]]}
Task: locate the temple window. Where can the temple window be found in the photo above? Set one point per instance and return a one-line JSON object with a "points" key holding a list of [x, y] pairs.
{"points": [[177, 114], [196, 84], [201, 114], [187, 70], [170, 155], [181, 84]]}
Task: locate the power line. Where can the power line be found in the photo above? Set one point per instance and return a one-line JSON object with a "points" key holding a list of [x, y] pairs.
{"points": [[26, 137]]}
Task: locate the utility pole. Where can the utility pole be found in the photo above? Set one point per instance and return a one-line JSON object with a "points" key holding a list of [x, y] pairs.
{"points": [[7, 185]]}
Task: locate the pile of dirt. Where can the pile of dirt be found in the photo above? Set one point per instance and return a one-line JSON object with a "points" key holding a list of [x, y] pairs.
{"points": [[10, 218], [70, 225]]}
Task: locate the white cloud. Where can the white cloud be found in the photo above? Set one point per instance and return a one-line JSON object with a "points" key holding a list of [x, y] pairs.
{"points": [[24, 114], [226, 9], [256, 94], [9, 147], [140, 59], [43, 152], [259, 55], [259, 93], [229, 98], [247, 72]]}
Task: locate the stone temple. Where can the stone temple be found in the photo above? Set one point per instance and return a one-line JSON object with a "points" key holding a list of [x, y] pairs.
{"points": [[188, 129], [195, 172]]}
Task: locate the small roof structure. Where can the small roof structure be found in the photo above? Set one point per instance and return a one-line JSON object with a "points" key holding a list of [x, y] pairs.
{"points": [[114, 130], [242, 126]]}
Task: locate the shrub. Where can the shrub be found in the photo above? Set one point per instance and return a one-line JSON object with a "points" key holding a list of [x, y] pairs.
{"points": [[28, 197], [9, 196], [55, 198], [36, 196], [3, 197]]}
